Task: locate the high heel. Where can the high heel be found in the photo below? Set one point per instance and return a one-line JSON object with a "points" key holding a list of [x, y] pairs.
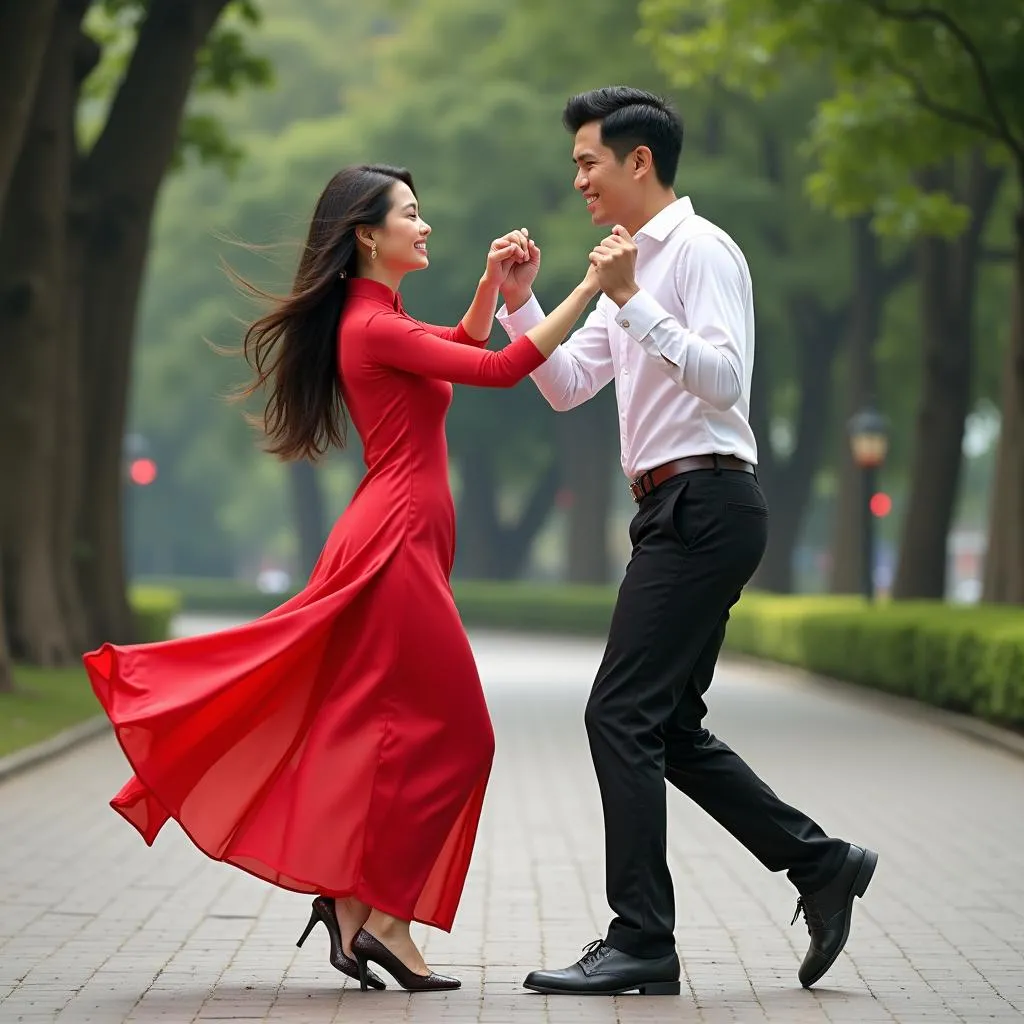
{"points": [[323, 910], [367, 949]]}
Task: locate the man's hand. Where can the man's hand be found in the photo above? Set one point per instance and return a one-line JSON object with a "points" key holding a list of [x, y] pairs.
{"points": [[522, 272], [615, 262]]}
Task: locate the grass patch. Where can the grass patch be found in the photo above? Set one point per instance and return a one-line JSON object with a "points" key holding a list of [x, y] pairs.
{"points": [[45, 702], [48, 700]]}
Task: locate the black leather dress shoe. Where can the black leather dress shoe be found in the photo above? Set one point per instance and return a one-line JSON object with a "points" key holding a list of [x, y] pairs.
{"points": [[605, 971], [829, 910]]}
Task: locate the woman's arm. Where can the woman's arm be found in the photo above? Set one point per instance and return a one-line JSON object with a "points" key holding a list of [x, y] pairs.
{"points": [[475, 326], [479, 317], [398, 342]]}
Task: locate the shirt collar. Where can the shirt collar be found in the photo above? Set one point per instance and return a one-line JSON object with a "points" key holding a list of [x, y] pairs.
{"points": [[364, 288], [662, 224]]}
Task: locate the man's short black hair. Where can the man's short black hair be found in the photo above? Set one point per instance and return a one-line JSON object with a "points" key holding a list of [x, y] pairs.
{"points": [[630, 118]]}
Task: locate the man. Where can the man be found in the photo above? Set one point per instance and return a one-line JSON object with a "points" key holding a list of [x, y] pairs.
{"points": [[674, 329]]}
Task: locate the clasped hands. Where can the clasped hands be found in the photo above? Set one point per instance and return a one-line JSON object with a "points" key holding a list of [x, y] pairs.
{"points": [[514, 260]]}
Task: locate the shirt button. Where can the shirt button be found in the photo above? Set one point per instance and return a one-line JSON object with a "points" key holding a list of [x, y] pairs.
{"points": [[625, 323]]}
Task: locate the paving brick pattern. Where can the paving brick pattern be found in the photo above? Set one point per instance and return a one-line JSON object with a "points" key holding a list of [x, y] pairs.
{"points": [[96, 928]]}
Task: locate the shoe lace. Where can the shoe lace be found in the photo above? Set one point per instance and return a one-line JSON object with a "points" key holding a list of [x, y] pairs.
{"points": [[592, 952], [807, 906]]}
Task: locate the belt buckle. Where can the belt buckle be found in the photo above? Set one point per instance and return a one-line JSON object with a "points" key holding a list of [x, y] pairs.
{"points": [[636, 490]]}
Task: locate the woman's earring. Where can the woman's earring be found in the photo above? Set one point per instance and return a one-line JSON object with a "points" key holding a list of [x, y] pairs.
{"points": [[373, 250]]}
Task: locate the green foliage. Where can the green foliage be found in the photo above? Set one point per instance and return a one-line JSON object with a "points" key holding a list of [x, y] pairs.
{"points": [[968, 659], [154, 609], [488, 151], [915, 85], [46, 701], [216, 596], [225, 66], [580, 609], [482, 134], [545, 607]]}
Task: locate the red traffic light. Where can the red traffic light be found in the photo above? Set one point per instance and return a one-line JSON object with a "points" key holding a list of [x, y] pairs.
{"points": [[881, 504], [142, 471]]}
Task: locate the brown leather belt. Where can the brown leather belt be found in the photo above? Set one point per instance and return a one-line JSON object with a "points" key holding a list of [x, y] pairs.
{"points": [[646, 482]]}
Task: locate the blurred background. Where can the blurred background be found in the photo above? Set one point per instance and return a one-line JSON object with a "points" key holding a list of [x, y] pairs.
{"points": [[867, 156]]}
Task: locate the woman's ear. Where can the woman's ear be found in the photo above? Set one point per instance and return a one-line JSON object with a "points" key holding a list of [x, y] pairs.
{"points": [[364, 235]]}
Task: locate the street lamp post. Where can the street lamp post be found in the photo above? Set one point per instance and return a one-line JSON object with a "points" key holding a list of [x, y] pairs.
{"points": [[869, 442]]}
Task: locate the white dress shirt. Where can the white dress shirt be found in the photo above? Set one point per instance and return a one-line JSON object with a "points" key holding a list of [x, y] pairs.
{"points": [[681, 351]]}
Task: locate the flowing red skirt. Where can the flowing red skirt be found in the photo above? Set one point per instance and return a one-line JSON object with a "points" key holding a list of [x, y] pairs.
{"points": [[338, 745]]}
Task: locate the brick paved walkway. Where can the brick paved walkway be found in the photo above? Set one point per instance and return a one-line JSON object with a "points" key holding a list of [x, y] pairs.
{"points": [[95, 927]]}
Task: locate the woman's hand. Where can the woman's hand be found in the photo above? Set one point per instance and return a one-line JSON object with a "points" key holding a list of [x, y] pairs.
{"points": [[502, 257], [591, 283]]}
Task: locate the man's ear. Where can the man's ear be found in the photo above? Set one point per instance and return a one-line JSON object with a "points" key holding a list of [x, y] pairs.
{"points": [[641, 161]]}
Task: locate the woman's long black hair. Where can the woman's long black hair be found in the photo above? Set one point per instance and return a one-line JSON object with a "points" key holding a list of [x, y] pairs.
{"points": [[293, 349]]}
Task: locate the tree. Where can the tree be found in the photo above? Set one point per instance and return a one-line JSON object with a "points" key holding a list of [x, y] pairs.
{"points": [[71, 252], [33, 269], [119, 183], [948, 272], [917, 86], [800, 259], [24, 31], [225, 507]]}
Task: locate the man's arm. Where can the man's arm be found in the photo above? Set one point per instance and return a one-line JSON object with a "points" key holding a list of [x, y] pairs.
{"points": [[706, 357], [578, 368]]}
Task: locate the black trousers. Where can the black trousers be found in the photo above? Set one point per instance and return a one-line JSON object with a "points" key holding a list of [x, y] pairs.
{"points": [[697, 539]]}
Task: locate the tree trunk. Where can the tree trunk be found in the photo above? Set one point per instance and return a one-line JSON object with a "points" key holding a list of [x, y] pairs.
{"points": [[788, 484], [479, 529], [68, 491], [1004, 561], [67, 484], [489, 548], [32, 265], [865, 322], [122, 179], [948, 278], [24, 36], [586, 454], [6, 668], [518, 537], [308, 508]]}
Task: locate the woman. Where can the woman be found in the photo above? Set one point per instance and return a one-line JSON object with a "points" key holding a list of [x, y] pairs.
{"points": [[340, 745]]}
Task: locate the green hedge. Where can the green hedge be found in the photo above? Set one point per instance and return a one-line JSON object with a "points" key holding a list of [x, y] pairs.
{"points": [[968, 659], [216, 596], [154, 609], [549, 608], [965, 658]]}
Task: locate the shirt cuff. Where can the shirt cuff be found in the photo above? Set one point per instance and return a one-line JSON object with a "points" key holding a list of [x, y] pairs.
{"points": [[528, 315], [640, 315]]}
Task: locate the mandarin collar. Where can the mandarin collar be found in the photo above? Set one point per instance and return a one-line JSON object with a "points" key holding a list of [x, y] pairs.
{"points": [[364, 288]]}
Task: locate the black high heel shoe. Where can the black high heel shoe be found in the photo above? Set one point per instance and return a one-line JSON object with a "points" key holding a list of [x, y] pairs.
{"points": [[365, 948], [323, 910]]}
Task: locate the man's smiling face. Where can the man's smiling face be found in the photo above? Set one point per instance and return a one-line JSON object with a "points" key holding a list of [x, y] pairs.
{"points": [[603, 180]]}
